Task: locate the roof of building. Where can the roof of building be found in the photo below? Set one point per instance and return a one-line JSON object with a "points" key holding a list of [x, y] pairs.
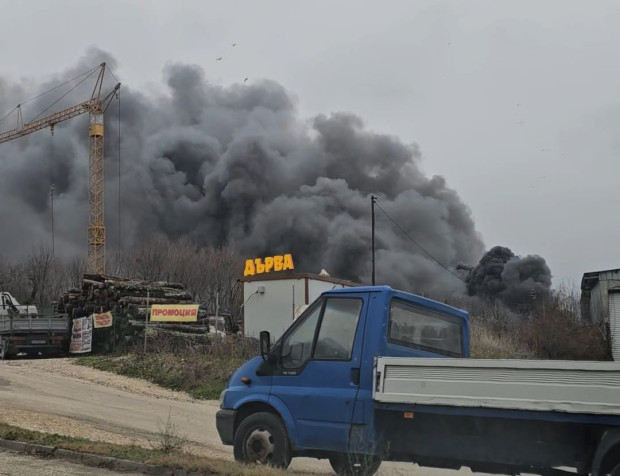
{"points": [[280, 276], [589, 280]]}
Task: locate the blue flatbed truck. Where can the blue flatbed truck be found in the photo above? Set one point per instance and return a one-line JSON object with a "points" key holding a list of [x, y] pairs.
{"points": [[372, 374]]}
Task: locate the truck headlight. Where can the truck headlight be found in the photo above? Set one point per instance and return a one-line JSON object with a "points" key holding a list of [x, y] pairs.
{"points": [[222, 395]]}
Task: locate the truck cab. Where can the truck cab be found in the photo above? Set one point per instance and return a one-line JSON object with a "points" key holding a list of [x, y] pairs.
{"points": [[10, 307], [311, 393]]}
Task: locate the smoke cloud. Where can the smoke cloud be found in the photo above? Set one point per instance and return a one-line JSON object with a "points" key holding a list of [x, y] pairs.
{"points": [[517, 281], [236, 164]]}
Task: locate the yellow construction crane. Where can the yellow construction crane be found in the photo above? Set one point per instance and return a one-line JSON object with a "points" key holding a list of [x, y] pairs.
{"points": [[96, 106]]}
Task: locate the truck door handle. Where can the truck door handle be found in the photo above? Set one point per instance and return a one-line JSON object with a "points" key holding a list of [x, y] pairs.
{"points": [[355, 375]]}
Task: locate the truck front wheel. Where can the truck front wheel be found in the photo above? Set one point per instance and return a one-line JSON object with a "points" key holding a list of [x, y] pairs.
{"points": [[350, 464], [262, 439]]}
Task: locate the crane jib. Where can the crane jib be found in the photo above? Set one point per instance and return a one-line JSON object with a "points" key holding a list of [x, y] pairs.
{"points": [[48, 121]]}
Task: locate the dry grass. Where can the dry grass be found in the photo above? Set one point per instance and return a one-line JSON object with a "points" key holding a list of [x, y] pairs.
{"points": [[548, 328], [199, 369], [172, 459], [550, 335], [487, 344]]}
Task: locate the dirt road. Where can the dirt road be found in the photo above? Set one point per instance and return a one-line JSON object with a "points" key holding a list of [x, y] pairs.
{"points": [[13, 464], [55, 395]]}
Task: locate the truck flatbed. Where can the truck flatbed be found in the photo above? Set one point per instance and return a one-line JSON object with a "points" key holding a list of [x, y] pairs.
{"points": [[30, 334], [557, 386], [33, 324]]}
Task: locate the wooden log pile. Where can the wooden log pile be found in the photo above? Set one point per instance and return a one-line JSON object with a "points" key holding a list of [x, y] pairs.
{"points": [[127, 300], [123, 296]]}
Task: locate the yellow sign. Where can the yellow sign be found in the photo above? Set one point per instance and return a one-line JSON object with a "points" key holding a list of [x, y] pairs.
{"points": [[102, 320], [174, 312], [271, 263]]}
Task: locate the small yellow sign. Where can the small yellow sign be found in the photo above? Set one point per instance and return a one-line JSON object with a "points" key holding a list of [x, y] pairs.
{"points": [[102, 320], [174, 312], [271, 263]]}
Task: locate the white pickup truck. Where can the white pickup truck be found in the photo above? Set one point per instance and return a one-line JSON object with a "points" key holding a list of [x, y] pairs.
{"points": [[23, 330], [10, 306]]}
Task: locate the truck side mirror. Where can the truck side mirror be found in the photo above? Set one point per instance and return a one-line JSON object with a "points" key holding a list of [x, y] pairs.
{"points": [[265, 345]]}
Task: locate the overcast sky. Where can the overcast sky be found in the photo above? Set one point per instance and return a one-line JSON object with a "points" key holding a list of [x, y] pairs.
{"points": [[515, 103]]}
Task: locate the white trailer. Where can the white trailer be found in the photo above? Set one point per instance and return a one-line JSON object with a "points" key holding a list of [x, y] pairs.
{"points": [[272, 302]]}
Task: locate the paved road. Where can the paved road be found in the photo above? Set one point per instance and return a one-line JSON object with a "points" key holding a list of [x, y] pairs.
{"points": [[58, 396], [13, 464]]}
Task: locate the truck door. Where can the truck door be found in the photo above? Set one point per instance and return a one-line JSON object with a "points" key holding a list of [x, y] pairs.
{"points": [[317, 376]]}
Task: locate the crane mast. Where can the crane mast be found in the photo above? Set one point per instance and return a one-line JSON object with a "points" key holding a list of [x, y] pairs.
{"points": [[95, 107]]}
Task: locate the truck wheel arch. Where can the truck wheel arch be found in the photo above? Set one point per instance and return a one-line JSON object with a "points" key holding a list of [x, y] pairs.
{"points": [[607, 453], [275, 406]]}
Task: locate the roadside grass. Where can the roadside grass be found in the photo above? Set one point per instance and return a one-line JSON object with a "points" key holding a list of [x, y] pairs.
{"points": [[172, 459], [202, 371], [487, 344], [201, 376], [553, 338]]}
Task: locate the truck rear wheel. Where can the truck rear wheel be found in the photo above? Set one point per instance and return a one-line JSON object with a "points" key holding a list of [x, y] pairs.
{"points": [[4, 349], [262, 439], [350, 464]]}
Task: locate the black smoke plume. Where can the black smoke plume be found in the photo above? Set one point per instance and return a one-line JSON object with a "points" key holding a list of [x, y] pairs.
{"points": [[520, 282], [235, 164]]}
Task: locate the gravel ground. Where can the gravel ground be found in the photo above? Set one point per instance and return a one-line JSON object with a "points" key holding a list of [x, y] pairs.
{"points": [[14, 464], [68, 368], [58, 396]]}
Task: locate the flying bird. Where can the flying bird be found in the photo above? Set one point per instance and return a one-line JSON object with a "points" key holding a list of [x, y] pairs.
{"points": [[245, 80], [234, 44], [219, 59]]}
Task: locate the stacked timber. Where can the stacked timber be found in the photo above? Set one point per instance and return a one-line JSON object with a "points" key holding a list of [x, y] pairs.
{"points": [[124, 296], [128, 301]]}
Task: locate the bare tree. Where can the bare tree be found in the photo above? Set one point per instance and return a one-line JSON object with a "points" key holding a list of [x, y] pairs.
{"points": [[14, 279], [46, 275], [149, 261], [75, 272], [222, 268], [183, 265]]}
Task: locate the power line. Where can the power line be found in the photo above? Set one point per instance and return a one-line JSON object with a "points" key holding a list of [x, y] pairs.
{"points": [[417, 244], [61, 97], [8, 114], [113, 75], [87, 74]]}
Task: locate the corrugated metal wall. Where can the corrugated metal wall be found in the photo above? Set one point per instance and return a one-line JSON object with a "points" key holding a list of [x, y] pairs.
{"points": [[614, 324], [613, 275]]}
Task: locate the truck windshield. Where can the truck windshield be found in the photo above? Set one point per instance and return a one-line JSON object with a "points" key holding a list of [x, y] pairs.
{"points": [[422, 329]]}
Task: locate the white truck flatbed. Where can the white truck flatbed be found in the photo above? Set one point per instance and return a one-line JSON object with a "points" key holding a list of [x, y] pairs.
{"points": [[534, 385], [36, 324]]}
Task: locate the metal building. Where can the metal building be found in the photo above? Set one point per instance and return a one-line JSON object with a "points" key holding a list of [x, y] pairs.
{"points": [[600, 302], [271, 302]]}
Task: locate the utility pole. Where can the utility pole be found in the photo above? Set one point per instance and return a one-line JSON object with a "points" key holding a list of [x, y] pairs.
{"points": [[52, 188], [148, 313], [373, 199]]}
